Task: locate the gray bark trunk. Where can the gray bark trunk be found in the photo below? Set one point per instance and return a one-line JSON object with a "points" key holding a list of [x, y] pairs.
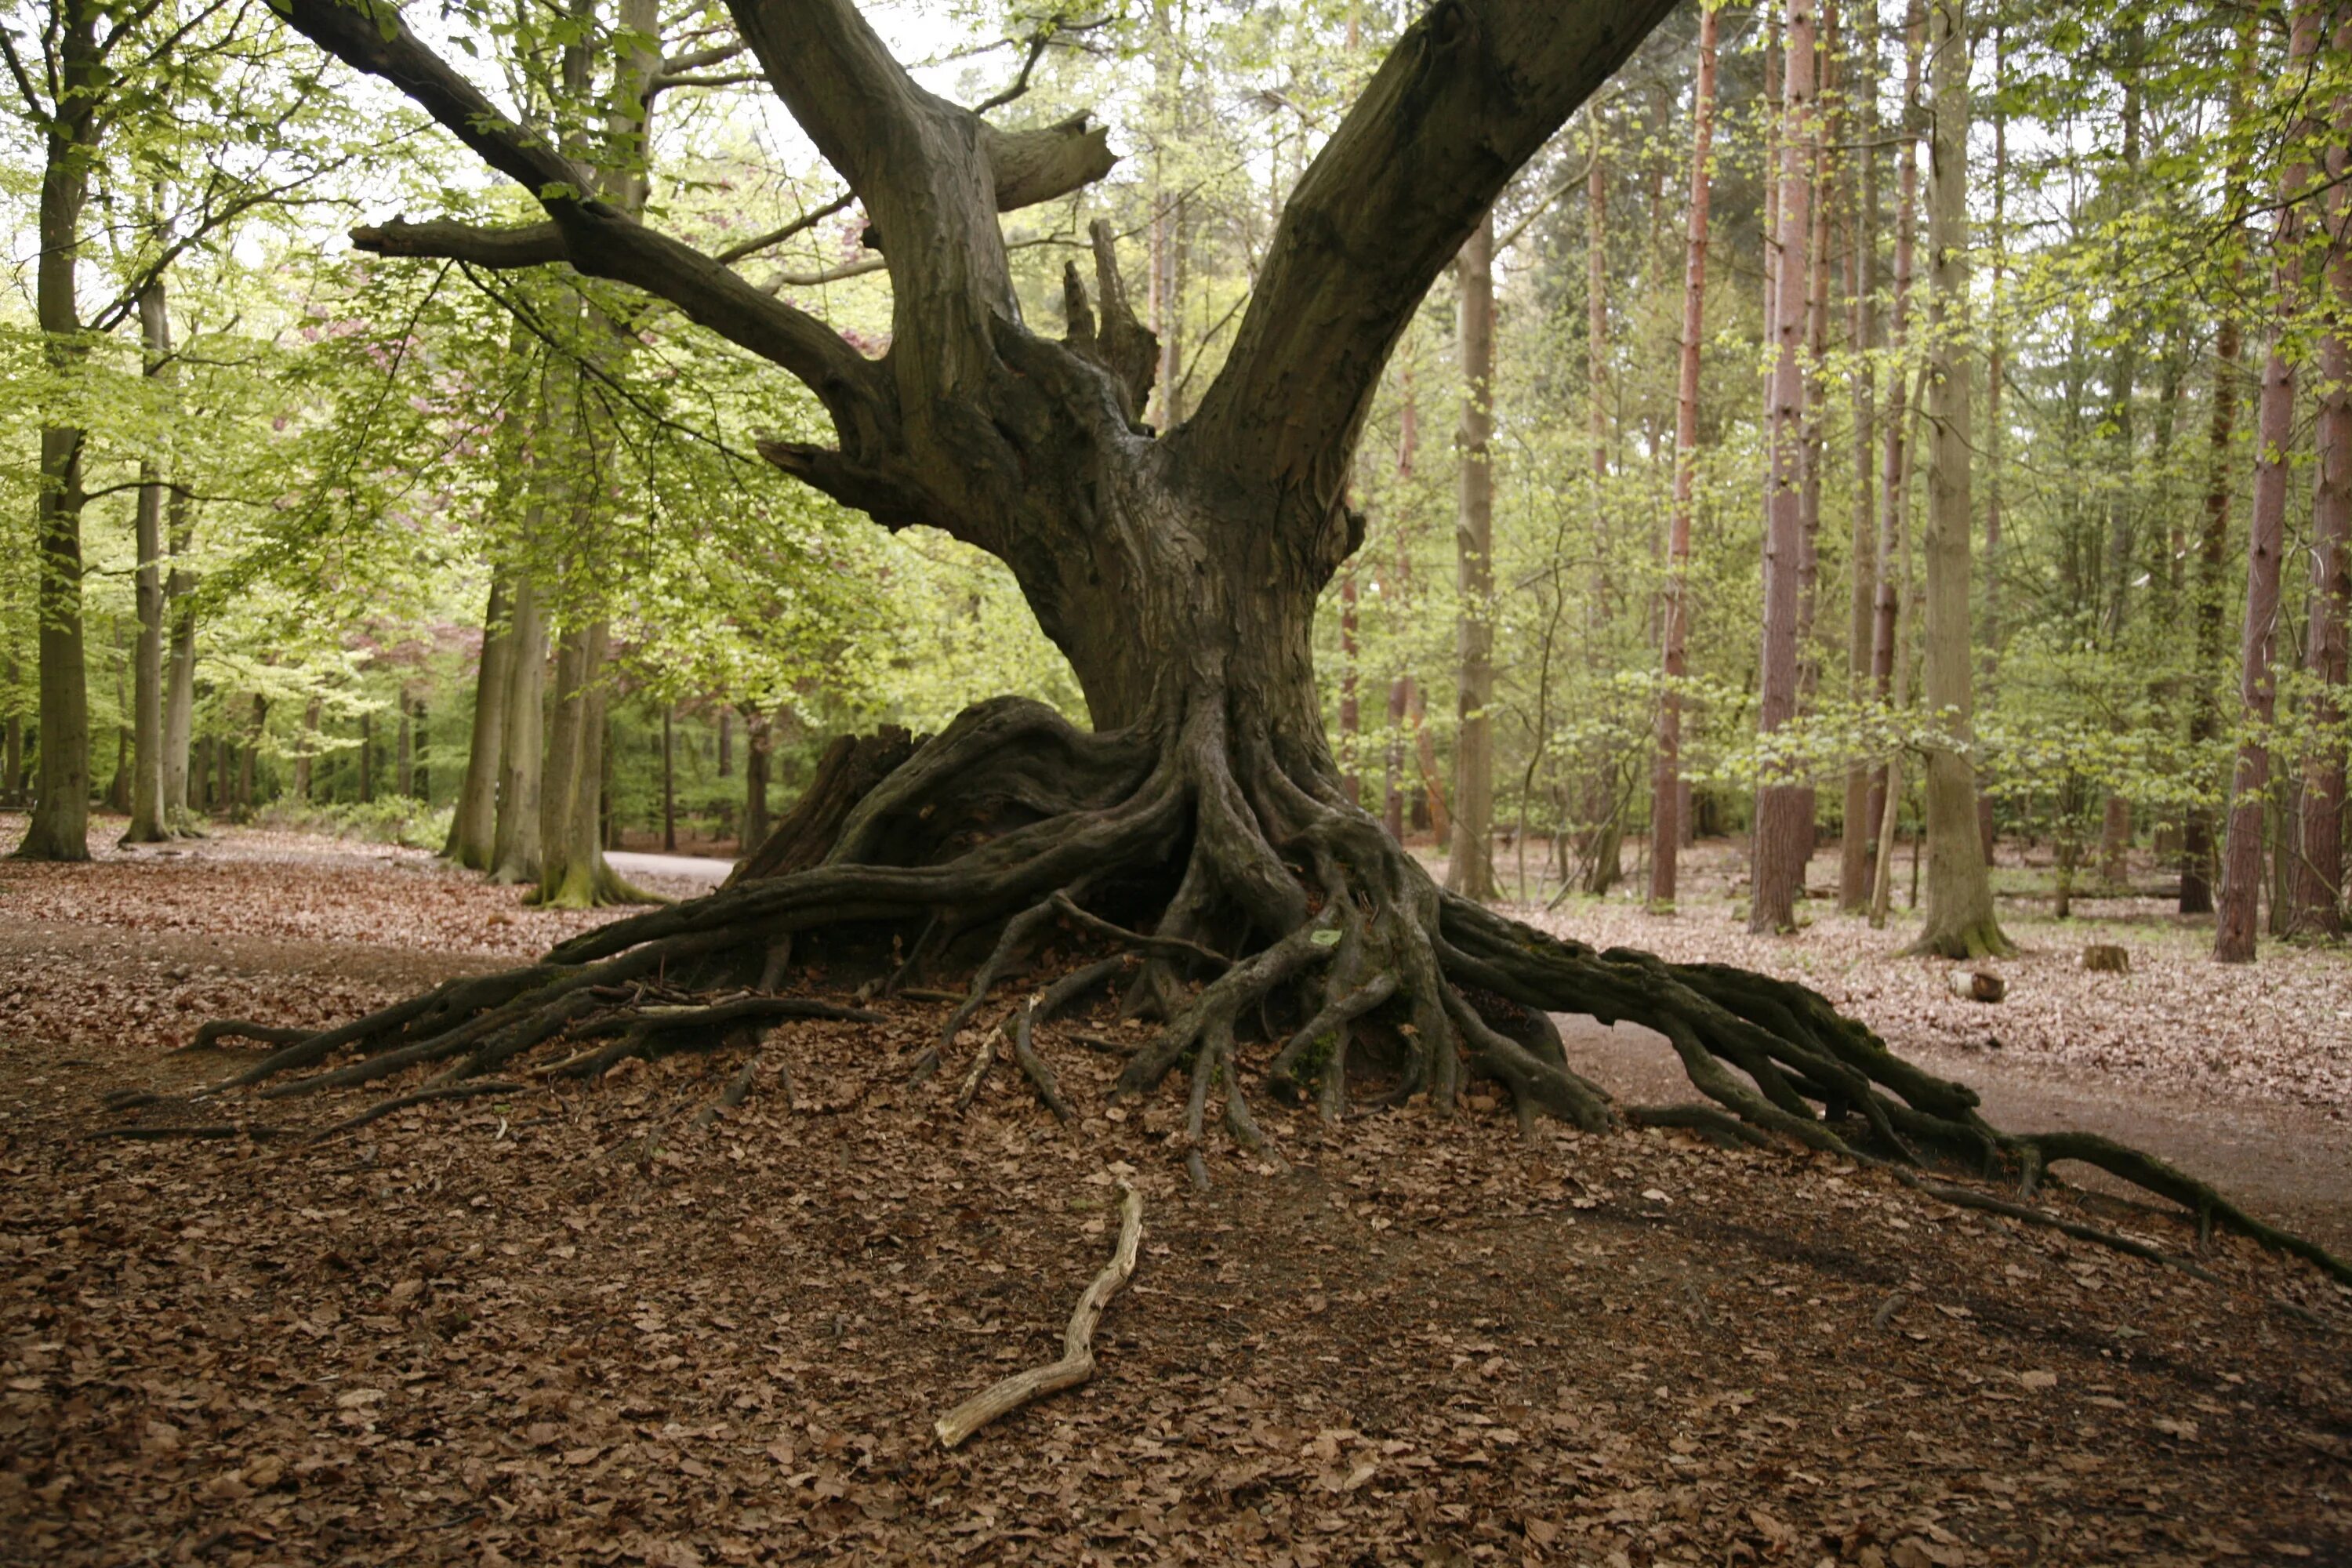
{"points": [[147, 824], [473, 824], [1470, 869], [514, 845]]}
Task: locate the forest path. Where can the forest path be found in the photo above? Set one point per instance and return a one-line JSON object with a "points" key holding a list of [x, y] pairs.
{"points": [[2289, 1163]]}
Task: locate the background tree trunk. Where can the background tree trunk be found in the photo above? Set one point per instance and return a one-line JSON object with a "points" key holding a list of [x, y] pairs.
{"points": [[2315, 894], [1666, 791], [1960, 922], [758, 741], [1470, 868], [514, 852], [2242, 857], [147, 824], [473, 824], [1783, 835], [180, 677], [1996, 368]]}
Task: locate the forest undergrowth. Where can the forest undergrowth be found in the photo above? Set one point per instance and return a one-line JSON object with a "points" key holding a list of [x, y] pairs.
{"points": [[592, 1325]]}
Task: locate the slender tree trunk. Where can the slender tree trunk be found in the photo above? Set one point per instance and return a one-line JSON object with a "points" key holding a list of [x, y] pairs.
{"points": [[1666, 793], [1895, 568], [118, 783], [726, 743], [514, 852], [2241, 859], [147, 824], [1995, 369], [1857, 839], [1783, 832], [758, 742], [669, 779], [59, 827], [12, 741], [305, 759], [1470, 868], [1960, 922], [1894, 498], [1817, 312], [1352, 721], [180, 675], [404, 753], [473, 824], [1605, 830], [256, 727], [367, 758], [2315, 900], [2122, 373]]}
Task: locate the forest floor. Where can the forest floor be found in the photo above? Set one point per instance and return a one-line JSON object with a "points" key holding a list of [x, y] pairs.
{"points": [[572, 1327]]}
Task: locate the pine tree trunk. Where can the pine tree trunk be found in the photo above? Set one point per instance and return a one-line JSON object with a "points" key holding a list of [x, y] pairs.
{"points": [[1666, 790], [2242, 856], [1470, 869], [2315, 894], [1783, 834]]}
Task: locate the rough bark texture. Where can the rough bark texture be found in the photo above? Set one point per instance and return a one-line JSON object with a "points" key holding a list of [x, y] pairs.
{"points": [[1783, 837], [1858, 833], [1960, 920], [1666, 791], [514, 853], [2242, 857], [1470, 869]]}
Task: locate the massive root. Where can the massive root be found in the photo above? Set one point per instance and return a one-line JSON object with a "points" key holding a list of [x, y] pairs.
{"points": [[1236, 900]]}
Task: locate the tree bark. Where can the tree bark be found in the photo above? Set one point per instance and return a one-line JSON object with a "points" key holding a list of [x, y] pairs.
{"points": [[1666, 791], [758, 741], [2123, 373], [147, 824], [2315, 894], [669, 779], [2241, 859], [515, 847], [473, 823], [1995, 369], [59, 826], [1959, 921], [572, 870], [1470, 868], [1783, 833], [180, 677], [1857, 837]]}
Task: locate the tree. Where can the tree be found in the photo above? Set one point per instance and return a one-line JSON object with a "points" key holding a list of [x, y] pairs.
{"points": [[1666, 793], [1177, 571], [1470, 870], [1784, 809], [1960, 921], [2242, 854]]}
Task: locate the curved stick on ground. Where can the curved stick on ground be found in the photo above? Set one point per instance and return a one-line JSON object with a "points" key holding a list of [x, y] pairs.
{"points": [[980, 1066], [422, 1096], [1078, 1363], [1025, 1051]]}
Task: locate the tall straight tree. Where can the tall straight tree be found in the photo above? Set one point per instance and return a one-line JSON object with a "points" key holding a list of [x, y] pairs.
{"points": [[1783, 833], [2315, 892], [1856, 840], [147, 824], [1470, 869], [1666, 792], [2241, 854], [1959, 919]]}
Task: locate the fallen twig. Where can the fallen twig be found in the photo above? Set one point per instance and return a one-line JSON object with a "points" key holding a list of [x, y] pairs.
{"points": [[1078, 1363]]}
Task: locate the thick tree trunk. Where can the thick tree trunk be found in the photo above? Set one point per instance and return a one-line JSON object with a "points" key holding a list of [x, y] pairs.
{"points": [[2242, 857], [59, 827], [514, 847], [1666, 790], [1470, 869], [147, 824], [473, 824], [573, 873], [1959, 921], [1783, 835], [180, 677], [2315, 900]]}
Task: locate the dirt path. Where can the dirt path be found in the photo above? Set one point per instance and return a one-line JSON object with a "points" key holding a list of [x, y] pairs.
{"points": [[2286, 1162]]}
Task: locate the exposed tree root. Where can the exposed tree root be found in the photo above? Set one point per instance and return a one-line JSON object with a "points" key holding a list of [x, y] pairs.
{"points": [[1244, 904], [1078, 1363]]}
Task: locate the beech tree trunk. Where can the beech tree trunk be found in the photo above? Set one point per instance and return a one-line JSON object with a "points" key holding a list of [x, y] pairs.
{"points": [[1666, 790], [2316, 893], [59, 826], [2241, 859], [1996, 368], [1960, 921], [473, 824], [1783, 834], [514, 847], [180, 675], [147, 824], [572, 870], [1470, 867]]}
